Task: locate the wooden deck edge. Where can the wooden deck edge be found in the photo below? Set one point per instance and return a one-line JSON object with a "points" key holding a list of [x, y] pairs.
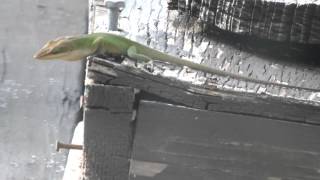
{"points": [[108, 72], [108, 131]]}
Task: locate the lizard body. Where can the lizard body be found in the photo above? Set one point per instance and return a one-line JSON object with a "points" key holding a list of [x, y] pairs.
{"points": [[79, 47]]}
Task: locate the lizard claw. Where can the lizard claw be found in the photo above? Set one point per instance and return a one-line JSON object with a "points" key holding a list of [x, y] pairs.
{"points": [[149, 66]]}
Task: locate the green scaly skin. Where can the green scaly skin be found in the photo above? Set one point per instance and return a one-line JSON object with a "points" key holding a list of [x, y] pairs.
{"points": [[79, 47]]}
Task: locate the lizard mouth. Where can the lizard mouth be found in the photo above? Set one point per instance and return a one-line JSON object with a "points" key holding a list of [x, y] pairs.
{"points": [[45, 54], [42, 54]]}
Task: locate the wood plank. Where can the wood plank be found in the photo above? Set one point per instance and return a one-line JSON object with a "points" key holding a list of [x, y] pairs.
{"points": [[208, 98], [184, 143], [108, 132], [111, 98]]}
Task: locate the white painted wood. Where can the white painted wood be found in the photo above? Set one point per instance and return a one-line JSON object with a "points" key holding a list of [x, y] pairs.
{"points": [[73, 170]]}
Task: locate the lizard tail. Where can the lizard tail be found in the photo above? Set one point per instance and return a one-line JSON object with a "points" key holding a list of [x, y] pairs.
{"points": [[157, 55]]}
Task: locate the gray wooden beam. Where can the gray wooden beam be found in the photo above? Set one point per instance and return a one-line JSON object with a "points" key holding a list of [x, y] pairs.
{"points": [[108, 131], [183, 143]]}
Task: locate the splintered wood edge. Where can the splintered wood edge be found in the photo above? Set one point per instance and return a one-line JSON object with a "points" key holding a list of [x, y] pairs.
{"points": [[179, 93], [199, 98], [109, 68]]}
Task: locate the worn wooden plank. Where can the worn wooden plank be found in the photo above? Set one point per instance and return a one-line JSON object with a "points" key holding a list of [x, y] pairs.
{"points": [[208, 98], [111, 98], [73, 170], [108, 132], [174, 142]]}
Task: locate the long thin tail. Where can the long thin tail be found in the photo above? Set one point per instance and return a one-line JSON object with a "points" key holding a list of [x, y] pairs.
{"points": [[157, 55]]}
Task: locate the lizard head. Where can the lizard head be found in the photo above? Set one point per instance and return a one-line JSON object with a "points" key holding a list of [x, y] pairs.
{"points": [[64, 48]]}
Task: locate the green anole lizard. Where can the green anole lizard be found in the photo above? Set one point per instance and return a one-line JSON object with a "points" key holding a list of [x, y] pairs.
{"points": [[79, 47]]}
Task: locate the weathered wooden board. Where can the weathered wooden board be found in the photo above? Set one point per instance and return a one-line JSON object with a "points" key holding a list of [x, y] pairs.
{"points": [[181, 143], [208, 98], [286, 20], [108, 131]]}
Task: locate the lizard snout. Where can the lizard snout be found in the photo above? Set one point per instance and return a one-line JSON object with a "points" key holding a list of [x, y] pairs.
{"points": [[41, 54]]}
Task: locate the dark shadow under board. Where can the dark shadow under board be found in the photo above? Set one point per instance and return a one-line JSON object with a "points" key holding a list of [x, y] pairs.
{"points": [[173, 142]]}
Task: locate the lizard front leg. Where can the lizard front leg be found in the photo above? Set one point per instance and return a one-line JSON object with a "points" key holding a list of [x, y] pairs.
{"points": [[140, 58]]}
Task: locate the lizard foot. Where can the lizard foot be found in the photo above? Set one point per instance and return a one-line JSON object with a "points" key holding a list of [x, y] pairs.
{"points": [[145, 67], [149, 66]]}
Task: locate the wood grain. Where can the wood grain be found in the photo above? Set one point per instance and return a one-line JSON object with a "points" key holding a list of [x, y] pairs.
{"points": [[107, 132], [193, 144]]}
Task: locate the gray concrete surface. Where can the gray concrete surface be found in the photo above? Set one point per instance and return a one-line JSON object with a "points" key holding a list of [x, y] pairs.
{"points": [[39, 101]]}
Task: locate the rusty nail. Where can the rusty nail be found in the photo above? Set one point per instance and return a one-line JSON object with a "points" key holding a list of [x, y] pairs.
{"points": [[60, 145]]}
